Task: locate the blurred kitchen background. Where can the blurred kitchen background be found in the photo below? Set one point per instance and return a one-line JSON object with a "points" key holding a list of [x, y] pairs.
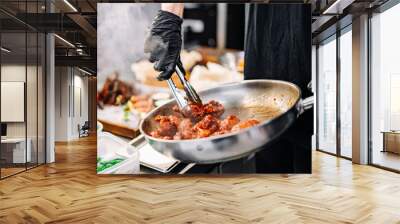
{"points": [[59, 49], [122, 29]]}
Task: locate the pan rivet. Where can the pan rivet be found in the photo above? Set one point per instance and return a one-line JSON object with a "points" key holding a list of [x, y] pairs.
{"points": [[199, 148]]}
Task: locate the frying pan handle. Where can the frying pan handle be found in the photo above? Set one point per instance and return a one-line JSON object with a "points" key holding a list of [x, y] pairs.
{"points": [[306, 104]]}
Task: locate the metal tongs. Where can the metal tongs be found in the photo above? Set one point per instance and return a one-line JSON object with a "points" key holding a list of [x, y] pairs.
{"points": [[191, 94]]}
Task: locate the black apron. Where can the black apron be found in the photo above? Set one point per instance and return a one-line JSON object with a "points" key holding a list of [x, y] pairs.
{"points": [[278, 46]]}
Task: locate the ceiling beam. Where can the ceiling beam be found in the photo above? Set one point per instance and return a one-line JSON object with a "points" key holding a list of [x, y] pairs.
{"points": [[337, 7], [83, 23], [81, 61]]}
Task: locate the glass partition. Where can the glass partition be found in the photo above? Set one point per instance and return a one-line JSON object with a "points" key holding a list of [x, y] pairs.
{"points": [[346, 92], [14, 153], [32, 97], [327, 95], [41, 97], [31, 85], [23, 90], [385, 89]]}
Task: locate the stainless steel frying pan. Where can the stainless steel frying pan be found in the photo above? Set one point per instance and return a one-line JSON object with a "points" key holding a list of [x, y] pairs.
{"points": [[276, 104]]}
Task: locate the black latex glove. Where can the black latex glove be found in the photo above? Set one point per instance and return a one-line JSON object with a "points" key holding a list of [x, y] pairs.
{"points": [[164, 43]]}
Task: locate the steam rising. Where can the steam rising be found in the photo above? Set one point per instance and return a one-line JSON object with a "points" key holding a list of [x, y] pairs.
{"points": [[155, 44], [121, 32]]}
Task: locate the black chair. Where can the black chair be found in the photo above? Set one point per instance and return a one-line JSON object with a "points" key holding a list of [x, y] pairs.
{"points": [[84, 130]]}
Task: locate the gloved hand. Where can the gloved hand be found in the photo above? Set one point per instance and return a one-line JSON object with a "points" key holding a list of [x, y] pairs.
{"points": [[164, 43]]}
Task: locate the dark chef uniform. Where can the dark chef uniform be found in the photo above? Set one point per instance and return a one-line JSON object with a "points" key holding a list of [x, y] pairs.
{"points": [[278, 46]]}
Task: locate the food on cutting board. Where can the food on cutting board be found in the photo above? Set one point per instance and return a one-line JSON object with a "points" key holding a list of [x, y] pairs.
{"points": [[146, 102], [121, 111], [145, 73], [141, 103], [114, 91], [129, 114], [204, 121]]}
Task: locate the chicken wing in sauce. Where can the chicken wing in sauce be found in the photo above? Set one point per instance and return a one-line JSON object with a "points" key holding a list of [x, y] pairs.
{"points": [[185, 130], [245, 124], [168, 126], [198, 111], [228, 123], [205, 121], [207, 126]]}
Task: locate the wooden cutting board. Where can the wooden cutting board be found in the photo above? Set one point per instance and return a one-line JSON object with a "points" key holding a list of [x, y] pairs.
{"points": [[119, 129], [111, 117]]}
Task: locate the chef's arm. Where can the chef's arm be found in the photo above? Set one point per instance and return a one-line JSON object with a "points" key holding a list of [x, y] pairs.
{"points": [[164, 41], [175, 8]]}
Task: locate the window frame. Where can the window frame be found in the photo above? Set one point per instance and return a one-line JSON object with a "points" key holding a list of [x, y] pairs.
{"points": [[378, 10], [333, 37]]}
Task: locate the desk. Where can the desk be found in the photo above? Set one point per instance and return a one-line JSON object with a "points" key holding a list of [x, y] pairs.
{"points": [[17, 150], [391, 141]]}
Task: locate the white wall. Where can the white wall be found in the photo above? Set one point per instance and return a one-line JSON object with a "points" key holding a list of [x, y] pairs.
{"points": [[33, 126], [80, 109], [61, 103], [70, 83], [12, 73]]}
